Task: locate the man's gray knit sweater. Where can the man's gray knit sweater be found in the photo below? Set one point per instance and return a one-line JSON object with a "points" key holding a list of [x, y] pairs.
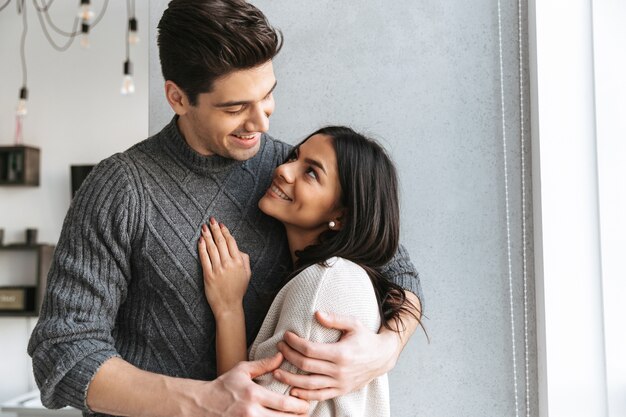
{"points": [[126, 280]]}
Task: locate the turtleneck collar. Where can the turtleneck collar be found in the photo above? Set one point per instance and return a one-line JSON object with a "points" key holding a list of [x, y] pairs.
{"points": [[176, 144]]}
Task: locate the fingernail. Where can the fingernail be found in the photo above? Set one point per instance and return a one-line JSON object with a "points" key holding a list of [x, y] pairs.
{"points": [[204, 228], [222, 226], [212, 220]]}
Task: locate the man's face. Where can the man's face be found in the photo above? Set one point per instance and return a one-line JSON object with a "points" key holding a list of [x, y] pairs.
{"points": [[229, 120]]}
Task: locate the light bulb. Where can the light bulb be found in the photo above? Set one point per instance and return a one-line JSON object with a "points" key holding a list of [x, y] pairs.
{"points": [[84, 37], [128, 85], [21, 109], [133, 38], [84, 11]]}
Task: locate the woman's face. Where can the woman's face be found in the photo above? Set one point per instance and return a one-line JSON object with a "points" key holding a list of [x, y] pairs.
{"points": [[305, 192]]}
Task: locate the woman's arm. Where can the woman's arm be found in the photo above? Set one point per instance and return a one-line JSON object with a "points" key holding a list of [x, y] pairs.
{"points": [[342, 367], [343, 289], [226, 272]]}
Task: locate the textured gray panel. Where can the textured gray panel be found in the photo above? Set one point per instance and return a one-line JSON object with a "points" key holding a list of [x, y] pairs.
{"points": [[424, 78]]}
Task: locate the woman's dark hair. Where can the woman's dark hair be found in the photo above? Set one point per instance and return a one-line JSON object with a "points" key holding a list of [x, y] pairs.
{"points": [[202, 40], [371, 223]]}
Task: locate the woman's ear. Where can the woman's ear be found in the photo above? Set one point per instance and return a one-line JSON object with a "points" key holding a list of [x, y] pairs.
{"points": [[338, 221]]}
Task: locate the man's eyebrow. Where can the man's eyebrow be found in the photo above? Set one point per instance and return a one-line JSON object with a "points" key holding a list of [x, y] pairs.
{"points": [[243, 102], [316, 163]]}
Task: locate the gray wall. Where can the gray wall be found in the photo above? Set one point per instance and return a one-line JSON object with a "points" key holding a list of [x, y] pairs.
{"points": [[423, 77]]}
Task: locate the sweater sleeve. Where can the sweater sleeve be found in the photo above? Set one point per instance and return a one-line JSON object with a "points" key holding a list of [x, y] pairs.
{"points": [[402, 271], [86, 284], [343, 288]]}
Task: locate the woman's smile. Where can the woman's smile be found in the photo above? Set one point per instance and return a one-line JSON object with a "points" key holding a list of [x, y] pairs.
{"points": [[305, 192], [275, 190]]}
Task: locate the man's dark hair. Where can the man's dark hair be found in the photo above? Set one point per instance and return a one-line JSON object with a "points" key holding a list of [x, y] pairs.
{"points": [[202, 40], [370, 231]]}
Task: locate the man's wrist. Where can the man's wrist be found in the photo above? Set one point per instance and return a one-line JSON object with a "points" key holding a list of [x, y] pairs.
{"points": [[182, 396], [393, 344], [120, 388]]}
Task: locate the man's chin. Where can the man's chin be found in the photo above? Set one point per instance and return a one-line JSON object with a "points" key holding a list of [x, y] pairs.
{"points": [[239, 154]]}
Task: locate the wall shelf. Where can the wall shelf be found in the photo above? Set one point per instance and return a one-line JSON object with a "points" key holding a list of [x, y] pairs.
{"points": [[43, 254], [19, 166]]}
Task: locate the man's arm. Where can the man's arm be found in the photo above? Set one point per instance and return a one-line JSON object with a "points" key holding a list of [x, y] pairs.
{"points": [[119, 388], [87, 282], [342, 367], [350, 364]]}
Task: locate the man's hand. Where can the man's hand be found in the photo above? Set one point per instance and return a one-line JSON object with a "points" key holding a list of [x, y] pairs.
{"points": [[120, 388], [242, 397], [337, 368]]}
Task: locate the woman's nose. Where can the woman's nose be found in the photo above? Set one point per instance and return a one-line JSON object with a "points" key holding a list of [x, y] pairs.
{"points": [[285, 172]]}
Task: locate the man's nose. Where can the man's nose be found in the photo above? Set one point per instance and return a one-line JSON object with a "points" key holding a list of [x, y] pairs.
{"points": [[259, 120]]}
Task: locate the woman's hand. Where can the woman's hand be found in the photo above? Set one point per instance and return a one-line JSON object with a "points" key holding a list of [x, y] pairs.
{"points": [[226, 270]]}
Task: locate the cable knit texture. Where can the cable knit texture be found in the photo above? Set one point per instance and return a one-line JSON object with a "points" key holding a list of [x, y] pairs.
{"points": [[126, 279], [341, 287]]}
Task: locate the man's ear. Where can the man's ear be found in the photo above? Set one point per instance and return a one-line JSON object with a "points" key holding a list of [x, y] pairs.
{"points": [[176, 97]]}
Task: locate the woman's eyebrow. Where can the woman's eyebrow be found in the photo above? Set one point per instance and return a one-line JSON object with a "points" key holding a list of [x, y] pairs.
{"points": [[315, 163]]}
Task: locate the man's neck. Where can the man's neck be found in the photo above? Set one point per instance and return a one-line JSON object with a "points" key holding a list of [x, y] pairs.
{"points": [[184, 127]]}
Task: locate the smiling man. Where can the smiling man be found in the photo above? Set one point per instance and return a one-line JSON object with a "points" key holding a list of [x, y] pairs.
{"points": [[230, 120], [125, 328]]}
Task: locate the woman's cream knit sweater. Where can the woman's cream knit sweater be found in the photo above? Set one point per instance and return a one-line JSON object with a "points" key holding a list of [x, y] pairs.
{"points": [[343, 288]]}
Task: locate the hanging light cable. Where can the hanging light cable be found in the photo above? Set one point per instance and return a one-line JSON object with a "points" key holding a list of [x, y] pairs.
{"points": [[128, 85], [21, 109], [133, 38], [47, 23]]}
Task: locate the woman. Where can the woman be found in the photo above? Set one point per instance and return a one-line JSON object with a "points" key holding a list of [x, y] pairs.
{"points": [[337, 197]]}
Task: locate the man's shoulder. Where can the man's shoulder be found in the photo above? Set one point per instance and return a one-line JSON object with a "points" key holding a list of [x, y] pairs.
{"points": [[276, 146], [276, 141], [125, 162]]}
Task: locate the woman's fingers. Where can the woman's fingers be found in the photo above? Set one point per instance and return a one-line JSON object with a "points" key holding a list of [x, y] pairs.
{"points": [[205, 260], [233, 250], [246, 263], [222, 247], [220, 241], [211, 248]]}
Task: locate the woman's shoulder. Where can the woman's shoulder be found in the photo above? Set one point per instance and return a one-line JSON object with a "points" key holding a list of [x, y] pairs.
{"points": [[332, 267], [335, 275]]}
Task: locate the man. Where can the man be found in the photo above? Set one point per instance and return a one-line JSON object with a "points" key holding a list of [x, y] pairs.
{"points": [[125, 328]]}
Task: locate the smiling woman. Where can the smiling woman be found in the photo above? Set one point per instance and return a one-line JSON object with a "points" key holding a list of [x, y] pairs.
{"points": [[331, 184], [306, 194]]}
